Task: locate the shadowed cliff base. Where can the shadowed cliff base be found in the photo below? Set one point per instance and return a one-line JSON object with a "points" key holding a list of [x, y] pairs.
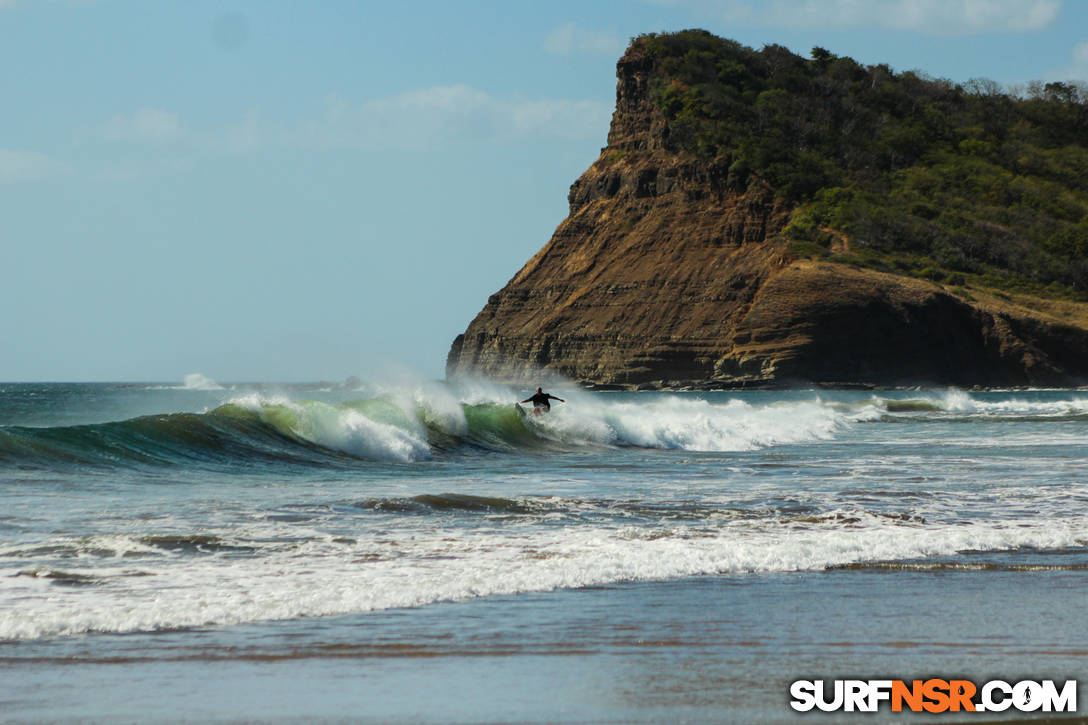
{"points": [[681, 265]]}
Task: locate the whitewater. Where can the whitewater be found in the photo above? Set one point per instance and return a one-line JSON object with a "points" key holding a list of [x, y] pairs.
{"points": [[792, 532]]}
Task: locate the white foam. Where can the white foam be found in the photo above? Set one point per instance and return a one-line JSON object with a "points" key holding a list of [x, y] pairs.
{"points": [[417, 566], [694, 424], [956, 401], [677, 422], [196, 381], [346, 429], [352, 432], [257, 402], [961, 402], [1069, 406], [680, 422], [437, 406]]}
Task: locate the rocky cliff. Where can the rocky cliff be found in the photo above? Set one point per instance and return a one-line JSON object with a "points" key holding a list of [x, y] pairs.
{"points": [[671, 271]]}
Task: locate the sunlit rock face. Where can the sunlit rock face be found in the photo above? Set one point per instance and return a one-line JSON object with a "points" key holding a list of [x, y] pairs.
{"points": [[669, 272]]}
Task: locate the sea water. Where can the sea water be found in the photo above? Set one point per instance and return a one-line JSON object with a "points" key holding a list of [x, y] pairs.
{"points": [[424, 552]]}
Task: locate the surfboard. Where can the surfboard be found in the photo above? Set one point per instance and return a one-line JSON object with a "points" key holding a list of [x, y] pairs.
{"points": [[529, 413]]}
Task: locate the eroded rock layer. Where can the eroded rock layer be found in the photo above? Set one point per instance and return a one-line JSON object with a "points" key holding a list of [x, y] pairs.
{"points": [[668, 273]]}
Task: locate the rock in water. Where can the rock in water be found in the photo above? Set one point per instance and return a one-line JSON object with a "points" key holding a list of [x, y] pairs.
{"points": [[670, 271]]}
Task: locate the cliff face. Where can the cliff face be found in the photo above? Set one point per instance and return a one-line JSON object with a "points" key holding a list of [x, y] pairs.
{"points": [[668, 272]]}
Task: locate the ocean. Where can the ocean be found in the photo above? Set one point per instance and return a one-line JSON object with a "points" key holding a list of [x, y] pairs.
{"points": [[422, 552]]}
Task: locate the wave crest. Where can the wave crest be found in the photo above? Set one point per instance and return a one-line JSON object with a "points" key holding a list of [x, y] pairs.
{"points": [[409, 424]]}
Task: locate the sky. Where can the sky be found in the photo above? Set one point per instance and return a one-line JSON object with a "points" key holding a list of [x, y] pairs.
{"points": [[301, 191]]}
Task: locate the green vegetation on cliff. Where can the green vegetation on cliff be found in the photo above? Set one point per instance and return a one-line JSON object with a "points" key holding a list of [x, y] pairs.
{"points": [[897, 171]]}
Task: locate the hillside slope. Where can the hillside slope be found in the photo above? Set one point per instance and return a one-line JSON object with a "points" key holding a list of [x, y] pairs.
{"points": [[681, 264]]}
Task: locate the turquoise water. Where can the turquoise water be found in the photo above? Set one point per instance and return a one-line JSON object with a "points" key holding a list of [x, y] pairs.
{"points": [[422, 552]]}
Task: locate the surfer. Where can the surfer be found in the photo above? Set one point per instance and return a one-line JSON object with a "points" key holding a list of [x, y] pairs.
{"points": [[540, 402]]}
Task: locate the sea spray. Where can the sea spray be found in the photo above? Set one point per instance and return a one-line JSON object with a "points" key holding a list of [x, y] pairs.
{"points": [[196, 381]]}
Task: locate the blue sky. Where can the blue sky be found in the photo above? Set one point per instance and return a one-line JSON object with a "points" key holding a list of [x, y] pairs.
{"points": [[284, 191]]}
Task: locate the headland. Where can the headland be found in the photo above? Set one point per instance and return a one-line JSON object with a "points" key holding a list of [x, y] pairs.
{"points": [[760, 219]]}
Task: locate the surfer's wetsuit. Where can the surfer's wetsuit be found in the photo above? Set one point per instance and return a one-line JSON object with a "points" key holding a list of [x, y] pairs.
{"points": [[540, 401]]}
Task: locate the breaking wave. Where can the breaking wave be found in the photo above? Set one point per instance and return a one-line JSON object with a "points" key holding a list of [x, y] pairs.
{"points": [[403, 426], [960, 405], [196, 381], [201, 580], [407, 427]]}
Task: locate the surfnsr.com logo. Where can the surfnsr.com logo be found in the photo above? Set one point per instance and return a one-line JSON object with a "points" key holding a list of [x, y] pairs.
{"points": [[933, 695]]}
